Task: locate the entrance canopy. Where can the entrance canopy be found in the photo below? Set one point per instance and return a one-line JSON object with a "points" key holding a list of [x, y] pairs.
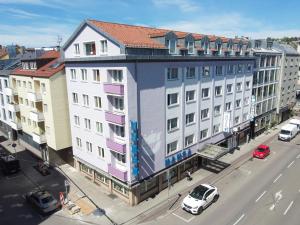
{"points": [[212, 152]]}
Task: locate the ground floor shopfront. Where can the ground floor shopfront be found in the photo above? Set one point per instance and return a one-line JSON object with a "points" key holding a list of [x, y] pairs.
{"points": [[263, 122]]}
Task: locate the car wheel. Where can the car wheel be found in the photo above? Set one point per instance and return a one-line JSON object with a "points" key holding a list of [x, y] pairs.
{"points": [[200, 210], [216, 197]]}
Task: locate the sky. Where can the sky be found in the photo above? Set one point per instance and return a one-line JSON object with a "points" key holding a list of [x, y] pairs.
{"points": [[39, 23]]}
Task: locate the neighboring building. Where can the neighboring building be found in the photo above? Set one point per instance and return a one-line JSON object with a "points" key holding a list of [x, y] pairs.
{"points": [[145, 102], [287, 81], [265, 92], [6, 66], [40, 116], [3, 53]]}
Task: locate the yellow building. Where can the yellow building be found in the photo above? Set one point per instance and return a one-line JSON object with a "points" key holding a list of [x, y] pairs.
{"points": [[39, 107]]}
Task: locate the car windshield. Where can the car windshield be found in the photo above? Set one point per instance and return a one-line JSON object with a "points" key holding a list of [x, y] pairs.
{"points": [[47, 199], [261, 149], [198, 192], [285, 132]]}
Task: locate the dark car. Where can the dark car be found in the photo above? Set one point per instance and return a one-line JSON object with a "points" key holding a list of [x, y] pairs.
{"points": [[43, 201], [9, 164]]}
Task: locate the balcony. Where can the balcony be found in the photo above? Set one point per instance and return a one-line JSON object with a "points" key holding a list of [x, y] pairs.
{"points": [[115, 118], [10, 91], [34, 97], [36, 116], [16, 125], [121, 175], [116, 147], [13, 107], [115, 89], [39, 138]]}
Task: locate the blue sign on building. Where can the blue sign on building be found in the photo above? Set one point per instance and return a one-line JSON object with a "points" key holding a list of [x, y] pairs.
{"points": [[134, 148], [177, 157]]}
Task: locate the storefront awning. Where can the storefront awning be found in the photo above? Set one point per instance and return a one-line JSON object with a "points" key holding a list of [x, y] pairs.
{"points": [[212, 152]]}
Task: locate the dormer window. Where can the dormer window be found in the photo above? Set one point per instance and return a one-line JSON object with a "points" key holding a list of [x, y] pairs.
{"points": [[219, 48], [257, 44], [90, 48], [171, 44], [190, 47], [205, 47], [269, 45]]}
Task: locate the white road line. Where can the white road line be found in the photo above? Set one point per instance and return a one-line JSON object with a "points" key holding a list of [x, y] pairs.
{"points": [[291, 164], [239, 219], [288, 208], [260, 196], [185, 220], [298, 156], [277, 178]]}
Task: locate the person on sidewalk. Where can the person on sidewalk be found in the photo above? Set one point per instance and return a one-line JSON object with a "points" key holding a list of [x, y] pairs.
{"points": [[188, 175]]}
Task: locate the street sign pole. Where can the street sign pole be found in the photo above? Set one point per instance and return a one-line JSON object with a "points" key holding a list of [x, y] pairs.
{"points": [[67, 184]]}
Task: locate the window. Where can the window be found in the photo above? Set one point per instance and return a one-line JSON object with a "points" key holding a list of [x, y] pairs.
{"points": [[6, 83], [76, 48], [172, 124], [228, 106], [236, 120], [75, 98], [171, 44], [24, 84], [206, 71], [103, 46], [96, 76], [172, 99], [89, 146], [216, 128], [203, 134], [245, 116], [73, 74], [238, 103], [189, 140], [4, 114], [172, 147], [119, 131], [190, 96], [83, 74], [172, 74], [43, 87], [85, 100], [229, 88], [204, 114], [246, 100], [190, 47], [239, 86], [26, 102], [99, 127], [90, 48], [218, 90], [87, 123], [78, 142], [239, 68], [29, 85], [45, 108], [219, 70], [217, 110], [97, 102], [190, 73], [205, 92], [247, 85], [100, 152], [118, 104], [19, 83], [116, 75], [249, 67], [230, 69], [189, 118], [29, 122], [76, 120]]}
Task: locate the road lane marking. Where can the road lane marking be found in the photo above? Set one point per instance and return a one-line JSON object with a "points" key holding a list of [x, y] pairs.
{"points": [[185, 220], [288, 208], [260, 196], [298, 156], [291, 164], [277, 178], [239, 219]]}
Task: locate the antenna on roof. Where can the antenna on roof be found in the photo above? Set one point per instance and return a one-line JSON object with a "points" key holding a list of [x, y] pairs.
{"points": [[59, 40]]}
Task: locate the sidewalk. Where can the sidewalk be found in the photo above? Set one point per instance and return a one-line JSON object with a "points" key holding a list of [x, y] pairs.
{"points": [[120, 213]]}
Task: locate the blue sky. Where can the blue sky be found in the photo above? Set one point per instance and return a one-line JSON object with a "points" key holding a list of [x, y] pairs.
{"points": [[37, 23]]}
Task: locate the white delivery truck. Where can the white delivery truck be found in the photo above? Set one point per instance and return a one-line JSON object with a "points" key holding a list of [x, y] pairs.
{"points": [[295, 122], [287, 132]]}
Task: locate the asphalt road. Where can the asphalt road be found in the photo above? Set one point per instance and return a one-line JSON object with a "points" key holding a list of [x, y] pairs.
{"points": [[260, 192]]}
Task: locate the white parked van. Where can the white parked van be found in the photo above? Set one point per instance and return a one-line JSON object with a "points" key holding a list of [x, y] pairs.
{"points": [[288, 132], [295, 122]]}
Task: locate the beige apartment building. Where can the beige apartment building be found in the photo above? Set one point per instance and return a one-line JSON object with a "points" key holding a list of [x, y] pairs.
{"points": [[39, 107]]}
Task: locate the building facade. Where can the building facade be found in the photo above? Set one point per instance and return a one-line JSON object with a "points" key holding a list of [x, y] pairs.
{"points": [[143, 107], [40, 117]]}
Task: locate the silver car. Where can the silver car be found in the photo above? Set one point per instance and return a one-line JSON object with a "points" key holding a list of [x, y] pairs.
{"points": [[43, 201]]}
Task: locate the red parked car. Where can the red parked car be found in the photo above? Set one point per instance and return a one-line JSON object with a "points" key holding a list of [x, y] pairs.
{"points": [[261, 151]]}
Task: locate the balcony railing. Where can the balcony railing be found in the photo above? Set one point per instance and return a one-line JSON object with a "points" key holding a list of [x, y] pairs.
{"points": [[115, 118], [115, 89], [121, 175], [13, 107], [34, 97], [36, 116], [10, 91], [116, 147], [39, 138], [16, 125]]}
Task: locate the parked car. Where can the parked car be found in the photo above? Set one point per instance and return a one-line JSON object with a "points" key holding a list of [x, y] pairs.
{"points": [[288, 132], [295, 122], [43, 201], [261, 152], [200, 198], [9, 164]]}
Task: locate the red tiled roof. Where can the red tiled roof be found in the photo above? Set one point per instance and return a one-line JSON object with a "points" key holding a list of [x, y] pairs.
{"points": [[46, 71], [198, 36]]}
